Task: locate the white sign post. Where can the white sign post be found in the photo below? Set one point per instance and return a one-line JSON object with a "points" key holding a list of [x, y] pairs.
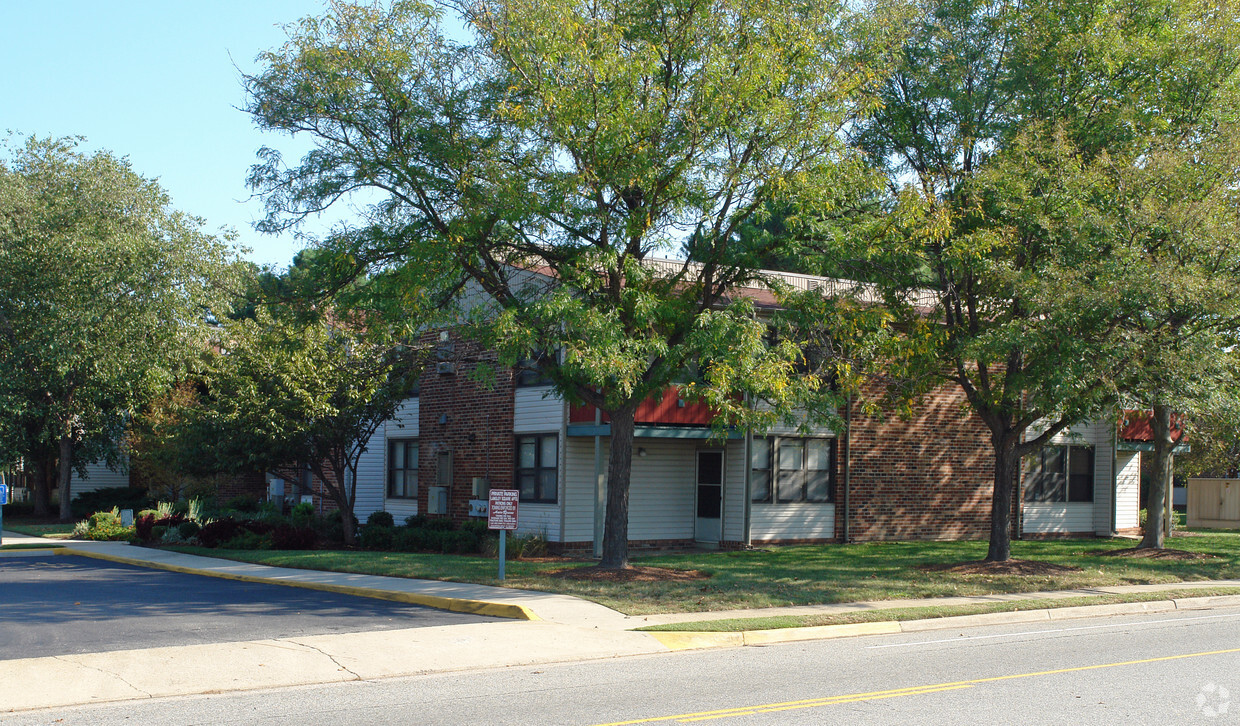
{"points": [[502, 515]]}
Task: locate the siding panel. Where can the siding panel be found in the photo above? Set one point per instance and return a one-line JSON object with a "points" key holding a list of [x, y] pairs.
{"points": [[536, 412], [792, 521]]}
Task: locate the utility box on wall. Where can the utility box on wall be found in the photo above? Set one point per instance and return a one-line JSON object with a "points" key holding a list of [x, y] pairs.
{"points": [[437, 500]]}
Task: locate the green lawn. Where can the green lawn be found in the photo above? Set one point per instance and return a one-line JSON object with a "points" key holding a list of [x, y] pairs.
{"points": [[802, 575], [778, 622], [39, 529]]}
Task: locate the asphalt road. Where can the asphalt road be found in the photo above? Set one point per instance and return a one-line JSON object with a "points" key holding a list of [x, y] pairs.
{"points": [[61, 605], [1177, 668]]}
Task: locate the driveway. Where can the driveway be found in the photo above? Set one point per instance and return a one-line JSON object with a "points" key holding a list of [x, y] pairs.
{"points": [[68, 605]]}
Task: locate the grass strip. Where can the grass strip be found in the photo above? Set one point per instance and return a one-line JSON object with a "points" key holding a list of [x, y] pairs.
{"points": [[778, 622], [51, 531], [30, 546]]}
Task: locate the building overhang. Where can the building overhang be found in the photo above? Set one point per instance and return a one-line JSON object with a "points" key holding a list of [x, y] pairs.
{"points": [[1149, 446], [654, 432]]}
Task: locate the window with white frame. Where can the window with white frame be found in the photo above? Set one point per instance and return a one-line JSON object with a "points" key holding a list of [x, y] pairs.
{"points": [[402, 469], [792, 469], [537, 462], [1060, 473]]}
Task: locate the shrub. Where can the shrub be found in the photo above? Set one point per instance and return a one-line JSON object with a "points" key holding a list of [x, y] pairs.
{"points": [[302, 515], [172, 536], [99, 519], [381, 519], [216, 532], [248, 541], [417, 521], [142, 525], [476, 526], [244, 503], [112, 531], [442, 524], [158, 532], [288, 537], [377, 537], [189, 529], [134, 498]]}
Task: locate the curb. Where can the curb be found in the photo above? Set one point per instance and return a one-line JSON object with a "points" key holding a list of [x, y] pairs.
{"points": [[439, 602], [690, 640]]}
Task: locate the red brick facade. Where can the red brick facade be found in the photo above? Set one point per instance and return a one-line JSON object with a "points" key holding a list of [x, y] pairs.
{"points": [[928, 478], [469, 420]]}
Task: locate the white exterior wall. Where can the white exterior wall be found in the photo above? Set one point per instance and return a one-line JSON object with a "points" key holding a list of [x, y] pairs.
{"points": [[99, 476], [734, 466], [1078, 517], [792, 521], [1128, 490], [578, 493], [536, 412], [372, 466], [663, 488]]}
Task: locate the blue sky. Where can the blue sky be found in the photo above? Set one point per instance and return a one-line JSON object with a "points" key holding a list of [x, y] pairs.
{"points": [[158, 82]]}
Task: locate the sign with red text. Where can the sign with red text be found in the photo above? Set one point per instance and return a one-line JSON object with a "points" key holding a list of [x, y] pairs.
{"points": [[502, 509]]}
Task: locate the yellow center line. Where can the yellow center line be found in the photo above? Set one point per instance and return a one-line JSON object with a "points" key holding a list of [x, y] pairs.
{"points": [[897, 692]]}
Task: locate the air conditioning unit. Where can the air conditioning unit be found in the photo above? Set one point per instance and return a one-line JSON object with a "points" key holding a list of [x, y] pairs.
{"points": [[445, 367], [437, 500]]}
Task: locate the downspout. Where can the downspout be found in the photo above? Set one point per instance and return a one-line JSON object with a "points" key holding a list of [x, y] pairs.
{"points": [[1114, 475], [563, 473], [847, 534], [748, 498]]}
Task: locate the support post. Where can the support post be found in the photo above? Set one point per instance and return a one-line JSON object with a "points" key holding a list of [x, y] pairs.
{"points": [[503, 552]]}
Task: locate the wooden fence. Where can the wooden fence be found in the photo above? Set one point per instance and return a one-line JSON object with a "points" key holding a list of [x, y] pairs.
{"points": [[1214, 503]]}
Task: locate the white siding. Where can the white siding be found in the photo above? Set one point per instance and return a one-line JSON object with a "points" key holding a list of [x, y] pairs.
{"points": [[534, 411], [662, 489], [734, 492], [98, 476], [792, 521], [1059, 518], [543, 519], [1078, 517], [372, 466], [1128, 490], [578, 496]]}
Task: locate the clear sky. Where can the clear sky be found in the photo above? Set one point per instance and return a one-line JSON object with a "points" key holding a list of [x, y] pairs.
{"points": [[159, 82]]}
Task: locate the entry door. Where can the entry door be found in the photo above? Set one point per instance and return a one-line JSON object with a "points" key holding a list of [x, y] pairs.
{"points": [[709, 497]]}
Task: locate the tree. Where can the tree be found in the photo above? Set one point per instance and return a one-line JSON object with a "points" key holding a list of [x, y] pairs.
{"points": [[549, 163], [106, 292], [288, 394], [997, 134]]}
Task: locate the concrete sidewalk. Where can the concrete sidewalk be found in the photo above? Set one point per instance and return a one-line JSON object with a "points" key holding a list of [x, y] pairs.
{"points": [[543, 628]]}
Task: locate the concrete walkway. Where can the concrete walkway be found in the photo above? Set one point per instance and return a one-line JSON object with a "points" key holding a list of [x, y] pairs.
{"points": [[542, 628]]}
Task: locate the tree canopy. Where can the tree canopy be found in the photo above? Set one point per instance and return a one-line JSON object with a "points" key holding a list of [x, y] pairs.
{"points": [[550, 162], [107, 292]]}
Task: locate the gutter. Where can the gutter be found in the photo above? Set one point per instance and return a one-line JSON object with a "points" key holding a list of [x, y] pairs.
{"points": [[847, 533], [1114, 477]]}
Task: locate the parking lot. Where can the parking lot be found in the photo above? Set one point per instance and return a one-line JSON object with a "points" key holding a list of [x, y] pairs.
{"points": [[58, 605]]}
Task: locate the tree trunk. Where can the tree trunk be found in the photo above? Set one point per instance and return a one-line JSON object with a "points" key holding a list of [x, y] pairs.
{"points": [[65, 473], [346, 526], [619, 469], [1006, 461], [1154, 537], [42, 484]]}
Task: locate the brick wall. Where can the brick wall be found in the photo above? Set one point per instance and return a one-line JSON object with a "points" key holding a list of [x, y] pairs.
{"points": [[926, 478], [472, 420]]}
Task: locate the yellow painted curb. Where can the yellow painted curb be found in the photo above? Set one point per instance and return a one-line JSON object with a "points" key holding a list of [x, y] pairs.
{"points": [[817, 632], [693, 641], [453, 604]]}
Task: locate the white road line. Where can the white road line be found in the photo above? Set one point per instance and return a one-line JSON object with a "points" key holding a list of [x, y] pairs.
{"points": [[958, 639]]}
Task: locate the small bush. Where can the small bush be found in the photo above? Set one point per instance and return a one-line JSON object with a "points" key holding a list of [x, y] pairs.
{"points": [[377, 537], [442, 524], [172, 536], [244, 503], [381, 519], [417, 521], [158, 531], [476, 526], [302, 515], [134, 498], [288, 537], [143, 524], [99, 519], [215, 533], [248, 541], [189, 529]]}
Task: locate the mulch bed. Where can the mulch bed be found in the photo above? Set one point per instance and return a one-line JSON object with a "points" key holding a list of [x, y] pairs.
{"points": [[1163, 554], [634, 573], [1011, 567]]}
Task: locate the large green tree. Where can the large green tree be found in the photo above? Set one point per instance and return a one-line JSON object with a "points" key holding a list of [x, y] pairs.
{"points": [[547, 165], [1000, 134], [291, 391], [105, 292]]}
